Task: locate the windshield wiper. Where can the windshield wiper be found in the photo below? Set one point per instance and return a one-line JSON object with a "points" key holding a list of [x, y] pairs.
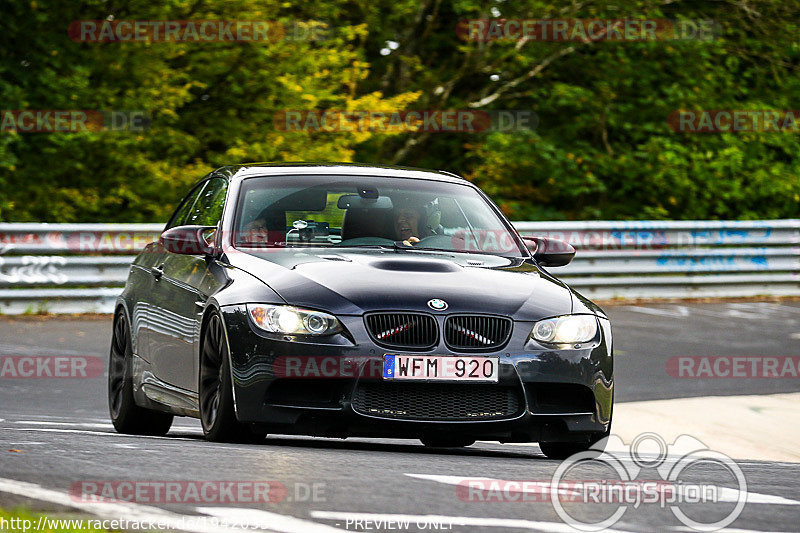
{"points": [[400, 246], [445, 251], [257, 245], [384, 246], [396, 245]]}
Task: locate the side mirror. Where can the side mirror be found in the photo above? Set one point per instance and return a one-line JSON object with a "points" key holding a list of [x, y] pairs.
{"points": [[189, 240], [550, 252]]}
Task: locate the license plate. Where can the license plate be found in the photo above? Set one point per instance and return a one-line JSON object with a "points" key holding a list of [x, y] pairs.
{"points": [[440, 368]]}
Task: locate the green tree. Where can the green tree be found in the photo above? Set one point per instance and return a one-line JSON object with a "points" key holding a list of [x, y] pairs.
{"points": [[602, 148], [211, 104]]}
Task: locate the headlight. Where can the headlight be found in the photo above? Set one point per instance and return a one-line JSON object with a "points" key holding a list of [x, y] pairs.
{"points": [[292, 320], [568, 329]]}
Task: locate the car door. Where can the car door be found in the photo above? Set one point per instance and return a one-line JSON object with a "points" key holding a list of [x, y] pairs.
{"points": [[152, 264], [184, 283]]}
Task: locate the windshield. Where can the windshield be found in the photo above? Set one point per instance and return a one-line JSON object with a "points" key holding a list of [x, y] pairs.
{"points": [[368, 211]]}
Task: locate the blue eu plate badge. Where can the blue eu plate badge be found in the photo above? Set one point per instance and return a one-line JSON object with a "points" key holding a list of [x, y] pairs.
{"points": [[388, 366]]}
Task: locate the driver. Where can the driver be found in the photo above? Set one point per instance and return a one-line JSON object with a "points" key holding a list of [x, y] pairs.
{"points": [[255, 231], [412, 222], [268, 227], [406, 223]]}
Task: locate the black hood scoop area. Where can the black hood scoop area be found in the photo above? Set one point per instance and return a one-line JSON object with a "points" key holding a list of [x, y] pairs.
{"points": [[415, 265]]}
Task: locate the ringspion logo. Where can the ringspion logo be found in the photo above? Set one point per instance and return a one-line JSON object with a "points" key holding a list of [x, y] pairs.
{"points": [[674, 464]]}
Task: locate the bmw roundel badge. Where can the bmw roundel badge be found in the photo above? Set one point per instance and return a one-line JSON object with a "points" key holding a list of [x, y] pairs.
{"points": [[437, 305]]}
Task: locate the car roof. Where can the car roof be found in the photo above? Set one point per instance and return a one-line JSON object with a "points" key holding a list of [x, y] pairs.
{"points": [[249, 170]]}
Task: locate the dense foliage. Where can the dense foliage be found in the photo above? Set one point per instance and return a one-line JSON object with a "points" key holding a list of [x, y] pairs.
{"points": [[602, 149]]}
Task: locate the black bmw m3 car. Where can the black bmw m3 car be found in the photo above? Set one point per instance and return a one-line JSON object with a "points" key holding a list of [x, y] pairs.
{"points": [[349, 300]]}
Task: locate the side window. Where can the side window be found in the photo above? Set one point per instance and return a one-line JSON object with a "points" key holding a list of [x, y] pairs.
{"points": [[207, 210], [186, 206]]}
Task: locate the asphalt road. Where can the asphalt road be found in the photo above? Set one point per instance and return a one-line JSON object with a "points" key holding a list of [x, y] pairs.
{"points": [[55, 433]]}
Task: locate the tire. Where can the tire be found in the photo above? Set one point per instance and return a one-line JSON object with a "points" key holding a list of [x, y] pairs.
{"points": [[217, 413], [126, 416], [447, 442]]}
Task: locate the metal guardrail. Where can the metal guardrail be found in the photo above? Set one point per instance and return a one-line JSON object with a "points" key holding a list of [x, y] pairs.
{"points": [[678, 259], [75, 268], [67, 268]]}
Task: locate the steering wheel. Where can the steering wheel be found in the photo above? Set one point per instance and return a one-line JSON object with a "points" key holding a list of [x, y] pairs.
{"points": [[445, 242]]}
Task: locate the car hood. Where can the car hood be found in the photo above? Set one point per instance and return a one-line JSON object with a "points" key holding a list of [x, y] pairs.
{"points": [[351, 282]]}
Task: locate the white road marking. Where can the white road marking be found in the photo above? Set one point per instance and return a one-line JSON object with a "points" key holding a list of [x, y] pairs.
{"points": [[677, 311], [65, 424], [726, 530], [477, 521], [24, 350], [726, 494], [132, 512], [765, 311], [52, 418], [714, 314], [766, 307], [96, 433], [788, 308], [256, 518], [114, 434], [750, 315], [92, 425], [645, 456], [795, 335]]}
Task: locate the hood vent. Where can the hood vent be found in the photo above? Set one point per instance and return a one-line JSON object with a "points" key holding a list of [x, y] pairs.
{"points": [[415, 265]]}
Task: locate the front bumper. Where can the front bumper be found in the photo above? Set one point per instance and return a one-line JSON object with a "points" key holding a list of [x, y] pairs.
{"points": [[552, 395]]}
